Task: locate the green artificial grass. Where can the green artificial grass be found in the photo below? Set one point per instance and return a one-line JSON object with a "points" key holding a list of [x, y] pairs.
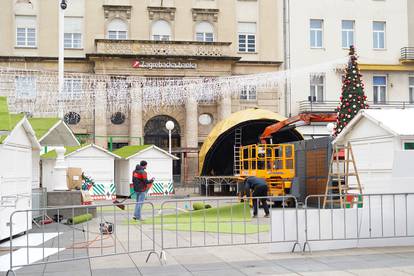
{"points": [[229, 213], [42, 125], [4, 114], [52, 154], [234, 219], [128, 151], [224, 228], [15, 119], [145, 207], [235, 212]]}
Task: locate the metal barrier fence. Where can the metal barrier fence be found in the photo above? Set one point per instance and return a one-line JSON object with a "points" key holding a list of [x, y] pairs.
{"points": [[39, 201], [368, 217], [226, 221], [110, 232]]}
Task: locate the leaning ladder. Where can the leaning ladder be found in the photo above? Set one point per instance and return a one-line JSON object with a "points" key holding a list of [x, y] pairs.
{"points": [[237, 145], [340, 171]]}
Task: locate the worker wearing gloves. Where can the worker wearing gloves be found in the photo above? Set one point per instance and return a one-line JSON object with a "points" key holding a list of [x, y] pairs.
{"points": [[141, 186], [259, 188]]}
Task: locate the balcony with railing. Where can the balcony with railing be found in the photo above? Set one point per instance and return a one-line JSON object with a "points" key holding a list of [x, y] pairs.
{"points": [[330, 106], [407, 54], [163, 48]]}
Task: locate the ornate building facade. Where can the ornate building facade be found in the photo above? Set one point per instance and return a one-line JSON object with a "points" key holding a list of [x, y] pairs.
{"points": [[156, 40]]}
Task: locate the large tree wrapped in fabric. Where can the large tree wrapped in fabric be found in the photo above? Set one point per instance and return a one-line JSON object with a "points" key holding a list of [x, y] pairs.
{"points": [[353, 97]]}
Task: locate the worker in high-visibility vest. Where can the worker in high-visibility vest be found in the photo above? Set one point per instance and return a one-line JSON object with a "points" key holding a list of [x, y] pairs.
{"points": [[258, 187]]}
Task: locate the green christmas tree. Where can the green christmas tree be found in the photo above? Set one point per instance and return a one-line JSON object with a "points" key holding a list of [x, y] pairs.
{"points": [[353, 97]]}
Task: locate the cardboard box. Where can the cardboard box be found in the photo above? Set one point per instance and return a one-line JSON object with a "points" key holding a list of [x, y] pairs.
{"points": [[74, 178]]}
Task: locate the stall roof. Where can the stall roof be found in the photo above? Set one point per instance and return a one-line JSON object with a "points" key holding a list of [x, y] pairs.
{"points": [[398, 122], [9, 122], [53, 132], [128, 152], [4, 115], [74, 149], [48, 131]]}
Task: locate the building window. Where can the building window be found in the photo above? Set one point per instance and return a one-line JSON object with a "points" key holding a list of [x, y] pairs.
{"points": [[316, 33], [380, 89], [25, 31], [73, 33], [117, 29], [317, 87], [379, 35], [247, 37], [204, 32], [347, 33], [411, 89], [205, 119], [248, 93], [118, 118], [72, 118], [408, 145], [73, 41], [25, 87], [72, 89], [161, 30]]}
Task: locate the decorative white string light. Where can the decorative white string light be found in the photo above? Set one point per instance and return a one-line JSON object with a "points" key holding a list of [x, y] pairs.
{"points": [[37, 91]]}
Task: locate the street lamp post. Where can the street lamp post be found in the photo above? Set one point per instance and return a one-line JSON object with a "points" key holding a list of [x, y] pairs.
{"points": [[61, 61], [170, 126]]}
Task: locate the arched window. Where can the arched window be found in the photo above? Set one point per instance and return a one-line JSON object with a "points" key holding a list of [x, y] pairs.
{"points": [[161, 30], [204, 32], [117, 29]]}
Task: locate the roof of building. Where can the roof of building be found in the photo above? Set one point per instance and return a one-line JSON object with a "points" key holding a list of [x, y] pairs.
{"points": [[73, 149], [49, 131], [4, 114], [128, 152], [42, 125], [395, 121], [9, 121]]}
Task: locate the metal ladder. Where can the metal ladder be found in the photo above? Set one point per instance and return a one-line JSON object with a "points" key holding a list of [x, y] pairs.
{"points": [[237, 144], [339, 188]]}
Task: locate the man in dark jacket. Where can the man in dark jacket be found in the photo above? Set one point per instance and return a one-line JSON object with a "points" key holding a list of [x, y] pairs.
{"points": [[141, 185], [259, 188]]}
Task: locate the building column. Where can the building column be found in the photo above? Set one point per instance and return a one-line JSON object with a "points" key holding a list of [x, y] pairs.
{"points": [[224, 107], [60, 171], [191, 138], [136, 136], [101, 134]]}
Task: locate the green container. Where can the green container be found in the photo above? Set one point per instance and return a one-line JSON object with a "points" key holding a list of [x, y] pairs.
{"points": [[198, 206], [79, 219]]}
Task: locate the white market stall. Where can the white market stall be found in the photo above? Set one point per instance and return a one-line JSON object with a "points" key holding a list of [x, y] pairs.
{"points": [[383, 145], [96, 163], [18, 148], [50, 132], [160, 166]]}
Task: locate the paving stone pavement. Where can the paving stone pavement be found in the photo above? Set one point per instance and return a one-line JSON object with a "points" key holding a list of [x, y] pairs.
{"points": [[240, 260]]}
